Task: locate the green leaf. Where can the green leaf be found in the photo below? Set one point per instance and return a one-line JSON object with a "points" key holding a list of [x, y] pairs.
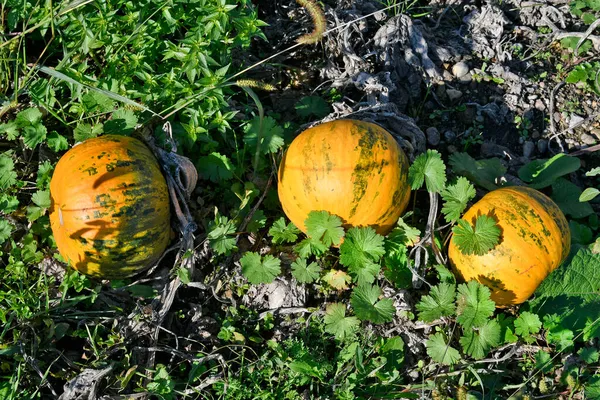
{"points": [[571, 291], [593, 172], [34, 135], [96, 102], [83, 132], [5, 230], [258, 270], [325, 227], [428, 168], [219, 234], [542, 173], [592, 388], [310, 246], [456, 198], [312, 105], [566, 195], [337, 279], [483, 172], [361, 251], [10, 129], [28, 117], [368, 307], [440, 351], [282, 233], [8, 176], [589, 355], [474, 306], [122, 122], [507, 327], [215, 167], [438, 303], [338, 324], [478, 240], [578, 74], [41, 198], [526, 325], [305, 273], [257, 221], [44, 175], [589, 194], [580, 234], [8, 203], [56, 142], [271, 138], [478, 342], [397, 269], [543, 361]]}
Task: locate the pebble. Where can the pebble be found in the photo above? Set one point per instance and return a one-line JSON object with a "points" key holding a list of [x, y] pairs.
{"points": [[454, 94], [449, 136], [557, 116], [575, 120], [596, 132], [532, 97], [539, 104], [466, 78], [588, 139], [447, 76], [433, 136], [528, 148], [460, 69], [479, 118], [542, 146], [535, 134], [452, 149]]}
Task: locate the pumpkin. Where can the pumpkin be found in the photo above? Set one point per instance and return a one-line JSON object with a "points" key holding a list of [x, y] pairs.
{"points": [[535, 239], [109, 207], [353, 169]]}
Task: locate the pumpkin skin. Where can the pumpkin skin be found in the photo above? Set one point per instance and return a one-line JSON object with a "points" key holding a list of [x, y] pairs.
{"points": [[350, 168], [109, 207], [535, 239]]}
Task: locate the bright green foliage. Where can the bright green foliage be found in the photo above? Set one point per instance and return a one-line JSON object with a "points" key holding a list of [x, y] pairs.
{"points": [[480, 239], [270, 133], [310, 246], [259, 269], [215, 167], [543, 362], [29, 123], [305, 273], [477, 342], [508, 328], [220, 234], [428, 168], [327, 228], [8, 176], [41, 199], [5, 230], [368, 307], [585, 73], [526, 325], [589, 355], [440, 351], [361, 251], [162, 384], [438, 303], [556, 333], [338, 324], [337, 279], [474, 306], [282, 233], [588, 194], [456, 198]]}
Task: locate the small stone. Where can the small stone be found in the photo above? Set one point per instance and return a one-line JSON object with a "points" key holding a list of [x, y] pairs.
{"points": [[535, 134], [447, 76], [433, 136], [452, 149], [454, 94], [596, 132], [575, 120], [449, 136], [532, 97], [479, 118], [539, 104], [460, 69], [465, 78], [588, 139], [557, 116], [542, 146], [528, 148]]}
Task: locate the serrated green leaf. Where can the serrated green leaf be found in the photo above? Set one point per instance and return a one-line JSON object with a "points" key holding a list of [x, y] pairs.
{"points": [[543, 361], [122, 122], [310, 246], [312, 105], [440, 351], [33, 135], [479, 239], [507, 328], [361, 251], [368, 307], [474, 306], [589, 355], [215, 167], [282, 233], [593, 172], [10, 129], [83, 132], [338, 324], [220, 233], [8, 176], [428, 168], [56, 142], [260, 270], [526, 325], [478, 342], [271, 135], [325, 227], [28, 117], [305, 273], [96, 102], [8, 203], [5, 230], [438, 303], [456, 197], [337, 279], [41, 198]]}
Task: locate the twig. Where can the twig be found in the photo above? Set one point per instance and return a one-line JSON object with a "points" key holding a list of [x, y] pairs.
{"points": [[552, 123], [283, 311], [586, 150], [587, 34]]}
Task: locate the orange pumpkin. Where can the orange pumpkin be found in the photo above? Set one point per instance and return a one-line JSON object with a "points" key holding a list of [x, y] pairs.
{"points": [[353, 169], [535, 239], [110, 207]]}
